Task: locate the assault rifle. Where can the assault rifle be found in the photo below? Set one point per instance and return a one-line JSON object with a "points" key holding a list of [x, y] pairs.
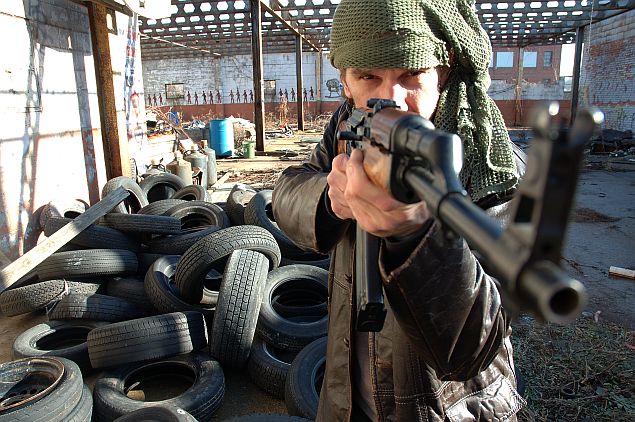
{"points": [[410, 159]]}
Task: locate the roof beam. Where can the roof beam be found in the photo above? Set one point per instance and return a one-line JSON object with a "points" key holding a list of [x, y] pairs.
{"points": [[275, 14]]}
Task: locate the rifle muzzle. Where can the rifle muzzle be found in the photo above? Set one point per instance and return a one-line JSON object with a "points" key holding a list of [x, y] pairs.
{"points": [[554, 295]]}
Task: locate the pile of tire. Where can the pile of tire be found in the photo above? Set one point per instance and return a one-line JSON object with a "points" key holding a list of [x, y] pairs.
{"points": [[161, 294]]}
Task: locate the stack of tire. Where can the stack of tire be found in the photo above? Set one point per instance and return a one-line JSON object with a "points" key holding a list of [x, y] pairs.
{"points": [[161, 290], [289, 353]]}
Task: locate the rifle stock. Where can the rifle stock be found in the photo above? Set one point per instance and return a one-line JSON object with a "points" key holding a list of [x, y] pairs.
{"points": [[411, 160]]}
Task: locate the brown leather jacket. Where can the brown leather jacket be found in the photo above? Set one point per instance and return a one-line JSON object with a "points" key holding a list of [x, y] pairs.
{"points": [[444, 353]]}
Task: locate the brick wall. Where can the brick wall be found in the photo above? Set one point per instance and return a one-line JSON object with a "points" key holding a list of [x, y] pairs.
{"points": [[540, 73], [608, 72]]}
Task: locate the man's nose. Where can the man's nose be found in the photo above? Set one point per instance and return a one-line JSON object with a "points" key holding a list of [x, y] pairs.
{"points": [[396, 92]]}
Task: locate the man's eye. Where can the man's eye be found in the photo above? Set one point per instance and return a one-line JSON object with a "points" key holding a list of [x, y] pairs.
{"points": [[415, 72], [367, 77]]}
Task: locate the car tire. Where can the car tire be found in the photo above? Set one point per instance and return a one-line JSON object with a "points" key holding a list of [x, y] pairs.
{"points": [[142, 223], [192, 193], [199, 215], [90, 262], [57, 405], [62, 208], [268, 367], [304, 380], [214, 248], [132, 290], [144, 339], [178, 244], [163, 292], [258, 212], [238, 307], [94, 236], [294, 331], [161, 186], [34, 297], [237, 201], [160, 207], [57, 338], [134, 202], [202, 397], [95, 307]]}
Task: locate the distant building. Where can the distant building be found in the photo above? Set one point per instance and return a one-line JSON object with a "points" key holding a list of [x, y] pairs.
{"points": [[540, 63], [540, 81]]}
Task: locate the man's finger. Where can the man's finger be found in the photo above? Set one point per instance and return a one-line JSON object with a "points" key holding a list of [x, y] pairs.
{"points": [[339, 163]]}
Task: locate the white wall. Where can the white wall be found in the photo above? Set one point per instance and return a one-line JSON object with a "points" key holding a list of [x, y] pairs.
{"points": [[50, 137], [235, 72]]}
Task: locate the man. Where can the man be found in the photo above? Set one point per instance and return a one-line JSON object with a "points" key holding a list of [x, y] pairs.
{"points": [[444, 352]]}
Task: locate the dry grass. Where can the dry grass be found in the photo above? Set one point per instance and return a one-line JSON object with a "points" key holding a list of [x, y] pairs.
{"points": [[579, 372]]}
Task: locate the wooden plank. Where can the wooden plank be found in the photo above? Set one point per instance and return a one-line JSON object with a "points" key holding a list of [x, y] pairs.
{"points": [[222, 180], [32, 258], [621, 272]]}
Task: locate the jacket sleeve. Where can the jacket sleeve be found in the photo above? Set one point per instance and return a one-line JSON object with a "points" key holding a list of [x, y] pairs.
{"points": [[300, 201], [446, 304]]}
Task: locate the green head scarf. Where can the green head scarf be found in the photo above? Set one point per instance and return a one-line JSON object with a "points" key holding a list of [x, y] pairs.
{"points": [[418, 34]]}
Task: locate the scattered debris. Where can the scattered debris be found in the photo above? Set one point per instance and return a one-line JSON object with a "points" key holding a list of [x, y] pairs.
{"points": [[621, 272], [613, 141], [587, 215], [258, 179]]}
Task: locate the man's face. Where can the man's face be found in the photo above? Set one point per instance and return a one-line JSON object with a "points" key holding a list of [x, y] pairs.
{"points": [[413, 90]]}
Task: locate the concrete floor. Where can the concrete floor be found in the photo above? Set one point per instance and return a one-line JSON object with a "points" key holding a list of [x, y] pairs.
{"points": [[592, 247]]}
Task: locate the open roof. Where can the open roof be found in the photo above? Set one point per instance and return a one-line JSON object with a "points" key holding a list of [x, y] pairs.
{"points": [[211, 27]]}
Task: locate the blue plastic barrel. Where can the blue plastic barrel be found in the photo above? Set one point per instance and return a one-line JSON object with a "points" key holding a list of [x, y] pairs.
{"points": [[173, 117], [221, 135]]}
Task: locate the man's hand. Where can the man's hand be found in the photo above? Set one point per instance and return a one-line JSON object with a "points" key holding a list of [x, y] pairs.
{"points": [[337, 186], [354, 196]]}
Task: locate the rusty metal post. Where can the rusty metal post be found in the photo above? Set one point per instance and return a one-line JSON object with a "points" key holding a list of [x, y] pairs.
{"points": [[115, 146], [259, 93], [577, 64], [298, 75]]}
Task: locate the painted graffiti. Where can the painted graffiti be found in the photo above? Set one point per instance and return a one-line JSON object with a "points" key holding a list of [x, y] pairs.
{"points": [[134, 105]]}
